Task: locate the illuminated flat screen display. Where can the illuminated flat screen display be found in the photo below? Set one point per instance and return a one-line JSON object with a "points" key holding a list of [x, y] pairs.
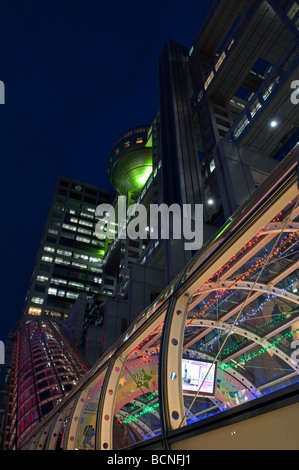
{"points": [[199, 376]]}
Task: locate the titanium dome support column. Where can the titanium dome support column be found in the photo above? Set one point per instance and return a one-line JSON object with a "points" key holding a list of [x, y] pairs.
{"points": [[170, 373]]}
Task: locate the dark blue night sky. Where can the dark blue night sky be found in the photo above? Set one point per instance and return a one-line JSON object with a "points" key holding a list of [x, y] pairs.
{"points": [[77, 74]]}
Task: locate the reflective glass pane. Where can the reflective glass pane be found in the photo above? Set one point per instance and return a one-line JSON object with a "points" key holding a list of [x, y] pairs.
{"points": [[244, 322], [62, 430], [87, 428], [136, 413]]}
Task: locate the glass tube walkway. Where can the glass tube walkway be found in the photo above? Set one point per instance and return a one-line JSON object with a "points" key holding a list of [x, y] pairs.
{"points": [[222, 334]]}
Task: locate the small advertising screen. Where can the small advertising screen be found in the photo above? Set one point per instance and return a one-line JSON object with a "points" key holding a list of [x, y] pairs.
{"points": [[199, 376]]}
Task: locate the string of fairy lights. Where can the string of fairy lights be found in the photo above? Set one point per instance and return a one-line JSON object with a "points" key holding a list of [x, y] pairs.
{"points": [[284, 247], [261, 263], [287, 239], [255, 354]]}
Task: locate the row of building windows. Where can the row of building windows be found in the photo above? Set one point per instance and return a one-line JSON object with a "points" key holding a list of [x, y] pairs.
{"points": [[53, 291], [62, 293], [127, 144], [64, 240], [68, 253]]}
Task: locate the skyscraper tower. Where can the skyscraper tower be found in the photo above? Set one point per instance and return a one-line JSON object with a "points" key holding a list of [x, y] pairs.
{"points": [[69, 258], [45, 367]]}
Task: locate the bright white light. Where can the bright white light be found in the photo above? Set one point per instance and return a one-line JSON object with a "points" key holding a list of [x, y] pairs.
{"points": [[210, 201], [273, 123]]}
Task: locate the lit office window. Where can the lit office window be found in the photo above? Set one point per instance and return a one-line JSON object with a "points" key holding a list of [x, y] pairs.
{"points": [[268, 90], [52, 291], [255, 107], [76, 284], [42, 278], [49, 249], [209, 79], [230, 44], [96, 242], [34, 311], [80, 256], [88, 216], [84, 230], [53, 232], [62, 261], [94, 260], [54, 314], [72, 295], [37, 300], [69, 227], [95, 269], [64, 252], [293, 10], [86, 223], [219, 61], [241, 126], [58, 281], [83, 239], [48, 259], [79, 265]]}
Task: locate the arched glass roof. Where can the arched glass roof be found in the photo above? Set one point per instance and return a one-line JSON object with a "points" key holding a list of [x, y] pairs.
{"points": [[223, 334]]}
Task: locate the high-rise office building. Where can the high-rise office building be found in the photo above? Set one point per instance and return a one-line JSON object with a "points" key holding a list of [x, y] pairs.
{"points": [[69, 258], [45, 368], [225, 121]]}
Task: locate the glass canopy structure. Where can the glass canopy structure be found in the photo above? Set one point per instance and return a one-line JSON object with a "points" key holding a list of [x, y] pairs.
{"points": [[221, 336]]}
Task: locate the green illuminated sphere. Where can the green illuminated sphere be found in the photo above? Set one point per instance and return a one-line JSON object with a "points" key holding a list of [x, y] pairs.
{"points": [[130, 162]]}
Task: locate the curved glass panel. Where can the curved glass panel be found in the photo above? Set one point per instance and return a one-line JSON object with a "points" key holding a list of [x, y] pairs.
{"points": [[136, 412], [244, 323], [85, 439], [62, 430]]}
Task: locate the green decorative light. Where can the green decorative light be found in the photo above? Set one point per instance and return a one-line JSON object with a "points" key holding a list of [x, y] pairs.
{"points": [[223, 230], [275, 321], [141, 179], [259, 352], [147, 409]]}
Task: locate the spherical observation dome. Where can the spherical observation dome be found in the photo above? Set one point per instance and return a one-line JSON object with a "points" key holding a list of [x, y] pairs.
{"points": [[130, 161]]}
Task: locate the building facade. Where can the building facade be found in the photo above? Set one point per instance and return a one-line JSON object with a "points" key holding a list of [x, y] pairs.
{"points": [[45, 367], [69, 258], [212, 364], [225, 127], [226, 119]]}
